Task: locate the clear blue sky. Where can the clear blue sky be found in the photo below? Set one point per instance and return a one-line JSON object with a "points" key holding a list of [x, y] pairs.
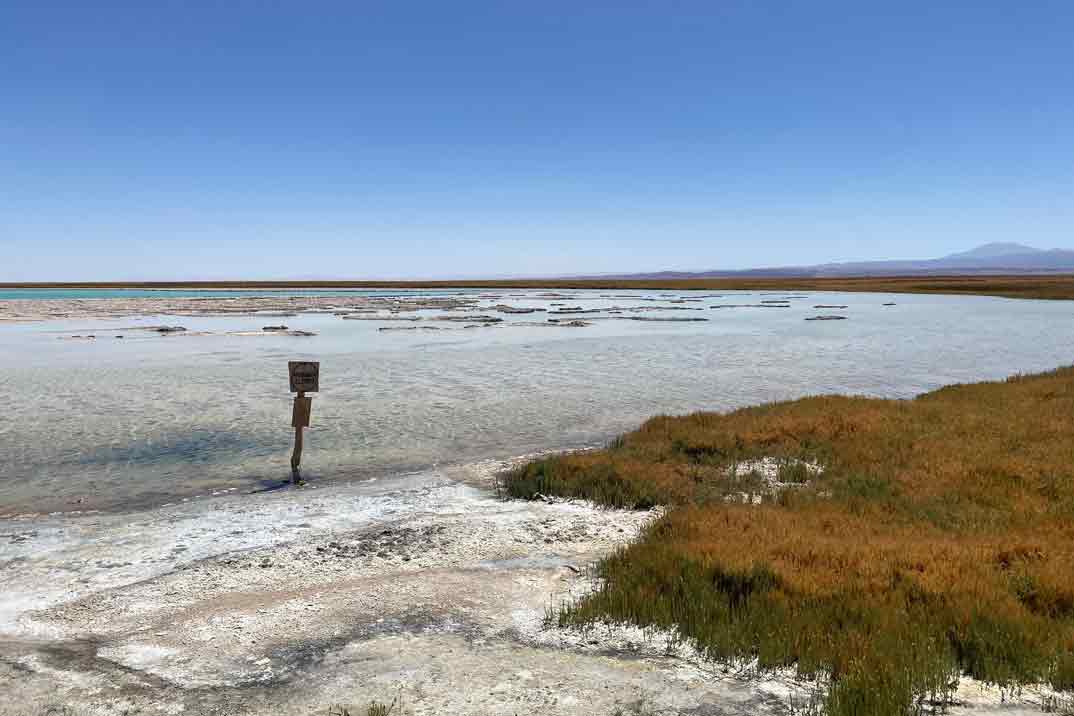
{"points": [[171, 140]]}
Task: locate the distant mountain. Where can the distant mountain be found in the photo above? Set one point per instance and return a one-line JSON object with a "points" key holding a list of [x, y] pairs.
{"points": [[995, 258], [994, 250]]}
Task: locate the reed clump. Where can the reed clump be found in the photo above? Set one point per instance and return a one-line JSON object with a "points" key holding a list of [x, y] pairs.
{"points": [[936, 541]]}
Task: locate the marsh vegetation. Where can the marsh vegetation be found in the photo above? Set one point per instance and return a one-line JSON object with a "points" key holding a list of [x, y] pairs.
{"points": [[935, 540]]}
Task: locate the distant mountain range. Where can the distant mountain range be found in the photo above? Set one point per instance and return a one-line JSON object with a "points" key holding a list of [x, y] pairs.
{"points": [[996, 258]]}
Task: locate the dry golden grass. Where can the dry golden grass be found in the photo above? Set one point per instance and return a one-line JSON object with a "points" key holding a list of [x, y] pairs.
{"points": [[1056, 286], [939, 540]]}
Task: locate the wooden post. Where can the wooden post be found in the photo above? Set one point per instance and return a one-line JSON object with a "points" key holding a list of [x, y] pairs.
{"points": [[296, 455], [305, 376]]}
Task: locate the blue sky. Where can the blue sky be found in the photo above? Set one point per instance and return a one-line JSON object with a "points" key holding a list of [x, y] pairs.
{"points": [[172, 140]]}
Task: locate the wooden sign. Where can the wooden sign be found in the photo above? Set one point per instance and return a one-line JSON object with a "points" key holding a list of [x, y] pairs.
{"points": [[300, 415], [305, 376]]}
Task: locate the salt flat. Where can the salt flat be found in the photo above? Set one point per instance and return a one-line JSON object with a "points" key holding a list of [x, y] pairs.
{"points": [[150, 558]]}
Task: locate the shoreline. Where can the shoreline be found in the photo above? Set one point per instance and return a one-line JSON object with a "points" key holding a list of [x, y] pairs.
{"points": [[276, 592], [1058, 286], [386, 475]]}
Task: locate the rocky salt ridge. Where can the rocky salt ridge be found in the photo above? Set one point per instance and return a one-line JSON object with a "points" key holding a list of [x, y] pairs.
{"points": [[353, 307], [428, 590], [22, 310]]}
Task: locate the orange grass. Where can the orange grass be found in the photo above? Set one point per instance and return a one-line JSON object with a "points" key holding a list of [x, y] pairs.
{"points": [[939, 540]]}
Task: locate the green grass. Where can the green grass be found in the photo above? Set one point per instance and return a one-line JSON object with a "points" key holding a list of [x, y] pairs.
{"points": [[938, 542]]}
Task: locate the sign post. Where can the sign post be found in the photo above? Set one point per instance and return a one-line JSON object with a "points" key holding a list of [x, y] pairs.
{"points": [[305, 378]]}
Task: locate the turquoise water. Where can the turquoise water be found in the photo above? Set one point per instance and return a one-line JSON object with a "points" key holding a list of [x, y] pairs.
{"points": [[38, 294]]}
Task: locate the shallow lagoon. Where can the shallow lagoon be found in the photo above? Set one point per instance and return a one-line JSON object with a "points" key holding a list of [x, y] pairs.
{"points": [[110, 423]]}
